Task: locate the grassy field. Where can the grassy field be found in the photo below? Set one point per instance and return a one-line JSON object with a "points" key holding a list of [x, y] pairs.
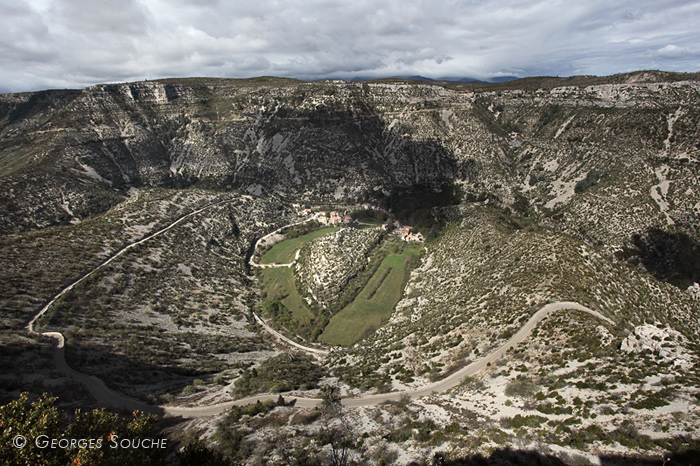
{"points": [[283, 252], [368, 310], [279, 283], [369, 221], [364, 315]]}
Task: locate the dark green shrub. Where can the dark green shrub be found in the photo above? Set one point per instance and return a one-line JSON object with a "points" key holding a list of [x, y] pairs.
{"points": [[591, 179], [281, 373], [521, 388]]}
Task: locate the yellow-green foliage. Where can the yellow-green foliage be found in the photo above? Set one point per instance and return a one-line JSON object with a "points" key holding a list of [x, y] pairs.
{"points": [[33, 420]]}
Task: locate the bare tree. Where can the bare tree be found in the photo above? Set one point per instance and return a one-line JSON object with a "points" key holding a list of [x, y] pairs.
{"points": [[336, 430]]}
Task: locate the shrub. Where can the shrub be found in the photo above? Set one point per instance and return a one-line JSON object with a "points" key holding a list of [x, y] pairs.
{"points": [[591, 179], [521, 388], [652, 401], [42, 417], [189, 390], [281, 373], [527, 421]]}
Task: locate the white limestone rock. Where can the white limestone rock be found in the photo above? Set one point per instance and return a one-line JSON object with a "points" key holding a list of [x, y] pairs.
{"points": [[665, 343], [694, 291]]}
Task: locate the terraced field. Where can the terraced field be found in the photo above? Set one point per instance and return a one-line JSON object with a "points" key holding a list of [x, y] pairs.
{"points": [[374, 303]]}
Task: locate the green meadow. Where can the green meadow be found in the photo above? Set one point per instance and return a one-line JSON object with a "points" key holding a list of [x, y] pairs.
{"points": [[279, 285], [373, 305], [284, 251], [370, 308]]}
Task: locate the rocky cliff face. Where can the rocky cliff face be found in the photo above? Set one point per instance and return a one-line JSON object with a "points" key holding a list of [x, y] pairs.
{"points": [[599, 159], [324, 141]]}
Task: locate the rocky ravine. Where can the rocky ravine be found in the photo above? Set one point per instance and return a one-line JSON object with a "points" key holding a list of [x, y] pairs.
{"points": [[563, 184]]}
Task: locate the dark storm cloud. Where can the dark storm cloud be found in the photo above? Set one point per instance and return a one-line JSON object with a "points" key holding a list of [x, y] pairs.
{"points": [[74, 43]]}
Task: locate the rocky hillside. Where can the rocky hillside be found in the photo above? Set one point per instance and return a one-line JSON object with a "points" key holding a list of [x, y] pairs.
{"points": [[174, 308], [328, 263], [600, 160], [479, 283], [609, 163], [74, 154], [577, 189]]}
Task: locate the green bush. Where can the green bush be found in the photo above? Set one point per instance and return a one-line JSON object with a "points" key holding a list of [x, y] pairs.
{"points": [[521, 388], [43, 418], [591, 179], [281, 373], [652, 401], [189, 390], [526, 421]]}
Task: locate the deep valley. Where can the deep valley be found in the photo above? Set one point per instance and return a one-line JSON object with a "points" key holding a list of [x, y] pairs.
{"points": [[352, 244]]}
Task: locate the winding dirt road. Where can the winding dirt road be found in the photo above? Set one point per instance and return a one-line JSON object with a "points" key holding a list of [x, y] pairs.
{"points": [[313, 351], [30, 325], [263, 238], [279, 336], [436, 387], [99, 390], [479, 365]]}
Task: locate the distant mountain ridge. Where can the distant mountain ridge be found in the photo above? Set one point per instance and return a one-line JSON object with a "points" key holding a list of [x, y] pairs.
{"points": [[456, 79]]}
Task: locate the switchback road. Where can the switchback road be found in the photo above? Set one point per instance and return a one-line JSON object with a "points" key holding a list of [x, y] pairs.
{"points": [[99, 390], [436, 387]]}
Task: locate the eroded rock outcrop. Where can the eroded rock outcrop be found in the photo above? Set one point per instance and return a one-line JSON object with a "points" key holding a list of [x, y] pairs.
{"points": [[664, 342]]}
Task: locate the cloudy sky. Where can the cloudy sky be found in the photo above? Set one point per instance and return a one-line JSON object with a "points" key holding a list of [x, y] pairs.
{"points": [[77, 43]]}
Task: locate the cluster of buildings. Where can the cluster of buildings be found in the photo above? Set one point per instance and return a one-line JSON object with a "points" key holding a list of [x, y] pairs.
{"points": [[336, 218], [330, 218], [404, 232], [373, 207]]}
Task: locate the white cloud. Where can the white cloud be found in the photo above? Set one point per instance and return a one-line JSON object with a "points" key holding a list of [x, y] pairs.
{"points": [[57, 43], [673, 51]]}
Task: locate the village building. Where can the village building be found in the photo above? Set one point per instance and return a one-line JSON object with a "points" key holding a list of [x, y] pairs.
{"points": [[404, 232], [335, 218], [414, 237]]}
